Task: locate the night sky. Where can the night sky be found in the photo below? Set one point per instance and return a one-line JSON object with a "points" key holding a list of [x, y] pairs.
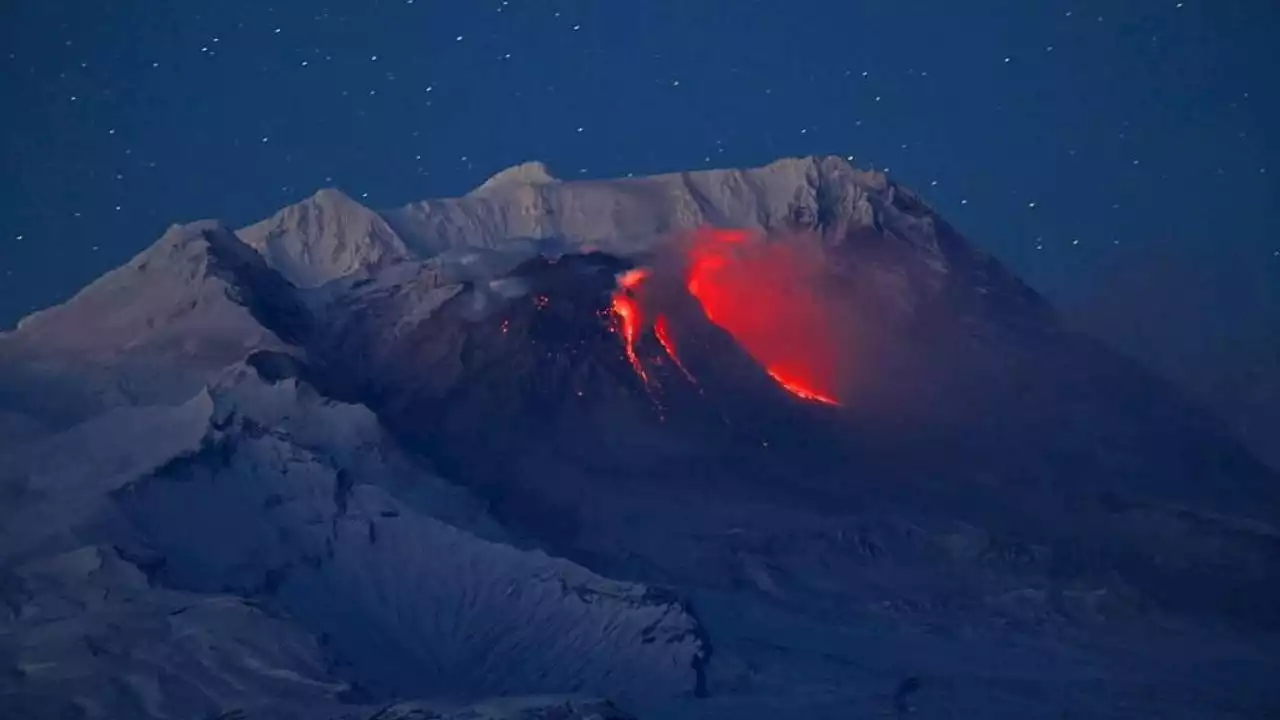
{"points": [[1097, 147]]}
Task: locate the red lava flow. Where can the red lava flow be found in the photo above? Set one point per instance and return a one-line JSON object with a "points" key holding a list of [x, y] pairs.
{"points": [[762, 294], [663, 334], [627, 310]]}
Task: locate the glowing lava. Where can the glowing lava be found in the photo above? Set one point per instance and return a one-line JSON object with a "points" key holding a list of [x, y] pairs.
{"points": [[627, 310], [764, 295], [632, 323], [663, 334], [800, 391]]}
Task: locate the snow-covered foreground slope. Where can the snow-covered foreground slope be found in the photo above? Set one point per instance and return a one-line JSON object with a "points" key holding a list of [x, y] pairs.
{"points": [[293, 512], [86, 635]]}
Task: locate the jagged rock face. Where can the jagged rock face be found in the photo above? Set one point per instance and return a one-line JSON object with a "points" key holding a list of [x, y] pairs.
{"points": [[358, 465]]}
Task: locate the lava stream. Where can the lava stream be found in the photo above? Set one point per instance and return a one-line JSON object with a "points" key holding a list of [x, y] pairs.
{"points": [[799, 390], [763, 294], [624, 306], [663, 334], [631, 321]]}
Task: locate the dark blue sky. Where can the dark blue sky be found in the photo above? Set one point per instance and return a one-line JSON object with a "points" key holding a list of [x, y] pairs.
{"points": [[1078, 140]]}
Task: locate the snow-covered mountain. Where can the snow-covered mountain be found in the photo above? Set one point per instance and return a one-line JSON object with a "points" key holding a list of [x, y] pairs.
{"points": [[347, 463]]}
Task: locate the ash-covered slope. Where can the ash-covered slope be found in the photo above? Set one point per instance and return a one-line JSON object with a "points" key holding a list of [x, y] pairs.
{"points": [[415, 448]]}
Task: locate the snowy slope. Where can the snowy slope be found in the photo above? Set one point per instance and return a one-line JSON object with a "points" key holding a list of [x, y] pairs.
{"points": [[151, 331], [304, 507], [324, 237]]}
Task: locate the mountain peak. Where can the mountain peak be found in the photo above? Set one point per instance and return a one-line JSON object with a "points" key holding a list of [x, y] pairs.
{"points": [[326, 236], [528, 173], [332, 197]]}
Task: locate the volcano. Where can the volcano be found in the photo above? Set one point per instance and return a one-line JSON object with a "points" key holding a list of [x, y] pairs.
{"points": [[732, 443]]}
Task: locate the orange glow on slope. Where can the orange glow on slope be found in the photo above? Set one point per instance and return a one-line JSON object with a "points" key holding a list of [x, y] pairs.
{"points": [[628, 314], [800, 391], [663, 334], [632, 323], [763, 295]]}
